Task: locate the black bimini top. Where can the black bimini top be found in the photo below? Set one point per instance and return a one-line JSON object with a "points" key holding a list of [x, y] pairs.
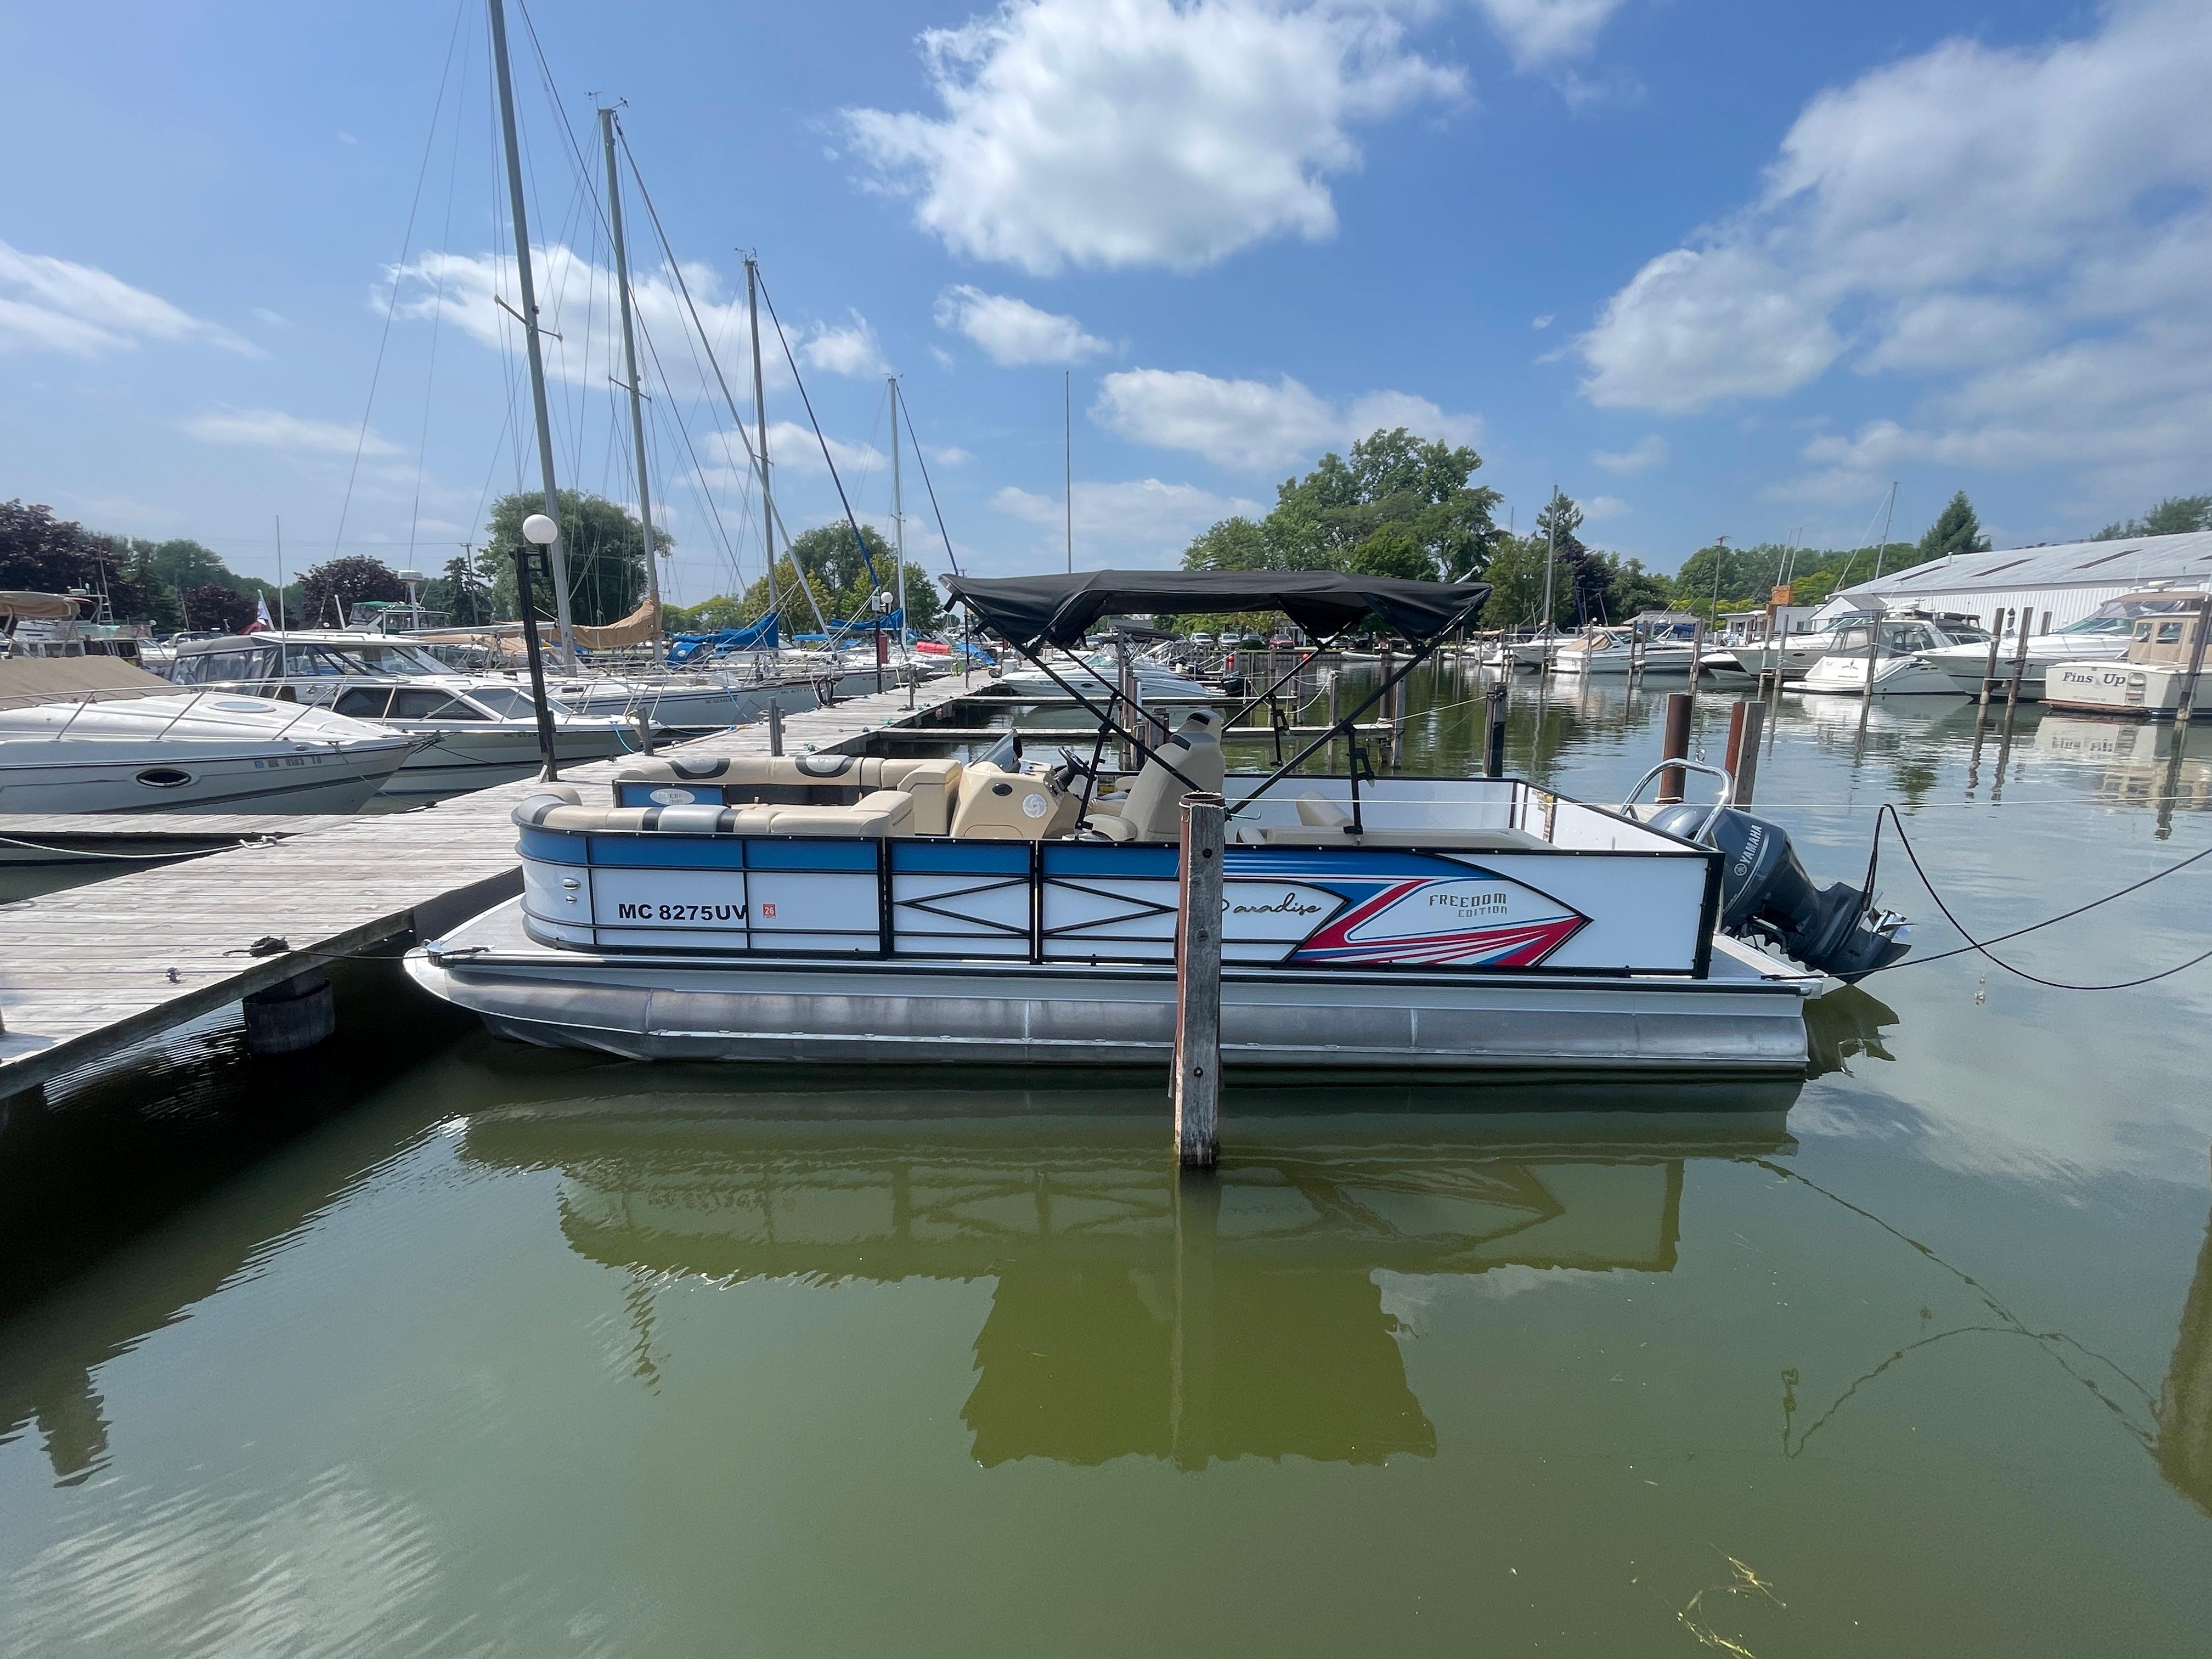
{"points": [[1059, 610]]}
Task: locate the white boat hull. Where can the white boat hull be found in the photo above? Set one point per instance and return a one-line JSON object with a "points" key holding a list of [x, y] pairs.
{"points": [[1748, 1018], [707, 705], [327, 782]]}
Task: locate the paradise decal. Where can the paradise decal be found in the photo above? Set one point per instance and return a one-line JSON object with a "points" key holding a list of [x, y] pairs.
{"points": [[1414, 909]]}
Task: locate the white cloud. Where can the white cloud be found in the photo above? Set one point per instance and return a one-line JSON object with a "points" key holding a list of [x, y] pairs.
{"points": [[1120, 133], [850, 349], [1143, 517], [56, 305], [1539, 32], [466, 289], [793, 450], [2017, 235], [1646, 452], [1012, 332], [1544, 321], [272, 428], [946, 454], [1251, 426], [1599, 508]]}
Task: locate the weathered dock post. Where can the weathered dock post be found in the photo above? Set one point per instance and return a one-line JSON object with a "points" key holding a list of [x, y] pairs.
{"points": [[1745, 721], [1675, 745], [1989, 668], [2019, 664], [1697, 655], [2188, 703], [774, 728], [291, 1015], [1493, 731], [1197, 983]]}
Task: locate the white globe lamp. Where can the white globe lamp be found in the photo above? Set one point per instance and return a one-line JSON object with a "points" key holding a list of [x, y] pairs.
{"points": [[541, 530]]}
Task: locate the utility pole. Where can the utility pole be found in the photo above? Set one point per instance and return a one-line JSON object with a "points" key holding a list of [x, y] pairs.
{"points": [[557, 560], [630, 362]]}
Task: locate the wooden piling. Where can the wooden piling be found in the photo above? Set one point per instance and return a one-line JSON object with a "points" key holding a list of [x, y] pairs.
{"points": [[774, 728], [1675, 745], [2018, 662], [2188, 703], [1493, 732], [1874, 656], [1989, 668], [1197, 1085], [1747, 720]]}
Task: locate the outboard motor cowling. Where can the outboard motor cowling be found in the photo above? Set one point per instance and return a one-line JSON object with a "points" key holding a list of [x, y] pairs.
{"points": [[1765, 894]]}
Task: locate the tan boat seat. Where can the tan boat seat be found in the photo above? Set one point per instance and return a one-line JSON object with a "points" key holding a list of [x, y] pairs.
{"points": [[813, 780], [879, 813], [1152, 808]]}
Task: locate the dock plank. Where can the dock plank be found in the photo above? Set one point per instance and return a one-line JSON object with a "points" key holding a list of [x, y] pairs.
{"points": [[87, 972]]}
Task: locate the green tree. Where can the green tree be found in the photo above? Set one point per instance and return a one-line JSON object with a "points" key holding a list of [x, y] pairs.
{"points": [[1391, 479], [1956, 529], [328, 591], [47, 554], [462, 591], [2176, 515], [1394, 551], [603, 545], [219, 606], [1516, 575]]}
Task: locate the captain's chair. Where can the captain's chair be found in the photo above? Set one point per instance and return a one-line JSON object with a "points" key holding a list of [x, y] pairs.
{"points": [[1152, 809]]}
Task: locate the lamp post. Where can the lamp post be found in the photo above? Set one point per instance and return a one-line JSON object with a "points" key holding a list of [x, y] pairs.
{"points": [[539, 531]]}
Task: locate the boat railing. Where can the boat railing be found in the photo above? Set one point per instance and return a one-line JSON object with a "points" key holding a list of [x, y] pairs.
{"points": [[1720, 802]]}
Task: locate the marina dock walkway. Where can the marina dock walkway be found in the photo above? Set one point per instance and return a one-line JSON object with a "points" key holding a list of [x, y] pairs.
{"points": [[87, 972]]}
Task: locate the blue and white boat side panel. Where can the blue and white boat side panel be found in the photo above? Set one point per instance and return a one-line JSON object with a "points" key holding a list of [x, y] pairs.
{"points": [[1353, 908]]}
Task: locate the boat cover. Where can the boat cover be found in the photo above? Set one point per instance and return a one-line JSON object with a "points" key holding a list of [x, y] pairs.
{"points": [[1059, 610]]}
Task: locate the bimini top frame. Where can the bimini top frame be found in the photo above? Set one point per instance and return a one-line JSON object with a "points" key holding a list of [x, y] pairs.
{"points": [[1033, 612]]}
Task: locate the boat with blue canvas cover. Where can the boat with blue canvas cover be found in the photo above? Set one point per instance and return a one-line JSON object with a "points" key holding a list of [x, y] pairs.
{"points": [[830, 907]]}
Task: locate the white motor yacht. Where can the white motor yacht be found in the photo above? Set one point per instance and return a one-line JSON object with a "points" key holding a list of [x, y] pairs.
{"points": [[1902, 667], [2100, 636], [1603, 650], [472, 730], [116, 750]]}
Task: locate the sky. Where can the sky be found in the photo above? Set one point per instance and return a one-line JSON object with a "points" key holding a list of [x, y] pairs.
{"points": [[1712, 267]]}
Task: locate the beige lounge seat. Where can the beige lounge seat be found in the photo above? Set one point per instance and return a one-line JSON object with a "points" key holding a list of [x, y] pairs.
{"points": [[1152, 809], [814, 781], [880, 813]]}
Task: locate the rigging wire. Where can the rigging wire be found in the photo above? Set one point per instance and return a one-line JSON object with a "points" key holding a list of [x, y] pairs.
{"points": [[858, 541], [391, 304], [438, 308], [950, 557]]}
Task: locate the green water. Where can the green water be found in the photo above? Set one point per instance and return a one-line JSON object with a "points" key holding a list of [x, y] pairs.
{"points": [[426, 1343]]}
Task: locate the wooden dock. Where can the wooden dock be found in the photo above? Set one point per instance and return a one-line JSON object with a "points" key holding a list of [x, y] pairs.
{"points": [[89, 971]]}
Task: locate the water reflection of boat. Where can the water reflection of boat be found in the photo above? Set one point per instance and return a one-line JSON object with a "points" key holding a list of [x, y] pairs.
{"points": [[1132, 1314], [2138, 765], [1843, 1025]]}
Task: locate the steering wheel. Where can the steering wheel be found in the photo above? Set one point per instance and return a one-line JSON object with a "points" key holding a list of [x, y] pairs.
{"points": [[1072, 766]]}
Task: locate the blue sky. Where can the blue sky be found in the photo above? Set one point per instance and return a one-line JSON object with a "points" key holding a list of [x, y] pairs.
{"points": [[1716, 268]]}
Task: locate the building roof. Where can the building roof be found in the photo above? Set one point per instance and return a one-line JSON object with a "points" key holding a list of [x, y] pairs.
{"points": [[2130, 561]]}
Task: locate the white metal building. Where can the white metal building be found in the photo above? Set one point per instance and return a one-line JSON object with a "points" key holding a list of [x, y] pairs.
{"points": [[2060, 584]]}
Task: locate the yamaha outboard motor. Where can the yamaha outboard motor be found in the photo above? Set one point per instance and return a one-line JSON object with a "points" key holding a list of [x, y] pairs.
{"points": [[1765, 894]]}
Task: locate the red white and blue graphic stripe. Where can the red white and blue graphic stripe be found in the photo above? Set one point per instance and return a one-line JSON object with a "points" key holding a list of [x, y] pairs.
{"points": [[1390, 899]]}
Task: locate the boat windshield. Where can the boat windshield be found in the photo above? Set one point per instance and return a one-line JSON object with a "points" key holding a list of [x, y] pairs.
{"points": [[511, 701], [381, 658], [2117, 617]]}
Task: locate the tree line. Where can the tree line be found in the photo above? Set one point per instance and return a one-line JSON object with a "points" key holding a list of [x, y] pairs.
{"points": [[1400, 505], [183, 584]]}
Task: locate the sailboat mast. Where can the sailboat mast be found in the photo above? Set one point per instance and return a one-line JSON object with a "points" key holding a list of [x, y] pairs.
{"points": [[898, 512], [1551, 550], [555, 554], [760, 420], [1067, 457], [630, 362], [1887, 513]]}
